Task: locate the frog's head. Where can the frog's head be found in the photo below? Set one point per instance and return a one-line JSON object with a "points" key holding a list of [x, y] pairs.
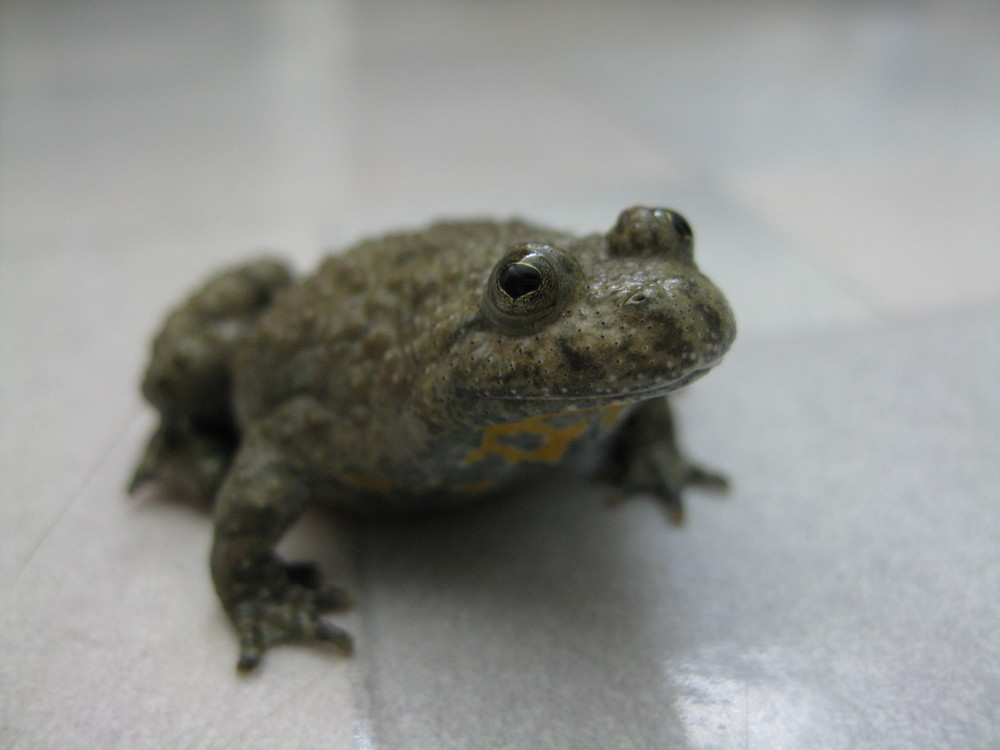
{"points": [[603, 320]]}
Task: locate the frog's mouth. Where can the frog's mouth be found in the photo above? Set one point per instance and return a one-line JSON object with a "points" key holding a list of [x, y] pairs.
{"points": [[605, 397]]}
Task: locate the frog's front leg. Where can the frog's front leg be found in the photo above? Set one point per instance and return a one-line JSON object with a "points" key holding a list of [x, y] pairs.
{"points": [[269, 600], [644, 458]]}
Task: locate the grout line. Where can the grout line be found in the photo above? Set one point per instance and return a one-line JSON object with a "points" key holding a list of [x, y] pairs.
{"points": [[91, 476]]}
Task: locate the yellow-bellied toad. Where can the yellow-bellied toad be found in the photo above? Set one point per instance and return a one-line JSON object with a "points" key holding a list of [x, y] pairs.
{"points": [[419, 370]]}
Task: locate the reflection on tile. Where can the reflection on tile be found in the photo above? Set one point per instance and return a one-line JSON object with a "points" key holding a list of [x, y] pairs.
{"points": [[795, 611]]}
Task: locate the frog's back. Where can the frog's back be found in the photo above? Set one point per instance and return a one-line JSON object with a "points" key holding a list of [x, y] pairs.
{"points": [[353, 333], [402, 278]]}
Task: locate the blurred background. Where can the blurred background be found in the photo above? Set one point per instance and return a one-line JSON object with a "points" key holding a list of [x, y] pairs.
{"points": [[840, 163]]}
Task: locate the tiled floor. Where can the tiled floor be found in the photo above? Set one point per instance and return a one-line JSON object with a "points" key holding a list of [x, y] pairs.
{"points": [[841, 164]]}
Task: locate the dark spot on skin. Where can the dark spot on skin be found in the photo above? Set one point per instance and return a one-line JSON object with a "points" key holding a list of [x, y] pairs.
{"points": [[637, 360], [576, 359], [670, 339], [713, 321]]}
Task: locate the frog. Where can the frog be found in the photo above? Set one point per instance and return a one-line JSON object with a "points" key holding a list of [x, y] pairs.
{"points": [[418, 371]]}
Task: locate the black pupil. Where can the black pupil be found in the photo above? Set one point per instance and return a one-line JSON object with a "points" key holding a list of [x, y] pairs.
{"points": [[519, 279]]}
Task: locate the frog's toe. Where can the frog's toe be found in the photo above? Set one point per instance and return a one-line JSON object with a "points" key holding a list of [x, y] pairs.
{"points": [[251, 651], [253, 642], [262, 624], [672, 480], [320, 598], [331, 599], [670, 499], [665, 478], [699, 476], [340, 638]]}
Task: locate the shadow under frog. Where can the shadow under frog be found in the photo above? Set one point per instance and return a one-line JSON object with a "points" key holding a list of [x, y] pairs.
{"points": [[421, 371], [502, 621]]}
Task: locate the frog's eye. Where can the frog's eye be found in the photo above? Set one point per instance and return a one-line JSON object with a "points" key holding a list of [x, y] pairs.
{"points": [[520, 278], [652, 231], [529, 286]]}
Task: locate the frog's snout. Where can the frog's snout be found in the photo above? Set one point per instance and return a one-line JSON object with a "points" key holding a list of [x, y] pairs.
{"points": [[671, 298], [680, 319]]}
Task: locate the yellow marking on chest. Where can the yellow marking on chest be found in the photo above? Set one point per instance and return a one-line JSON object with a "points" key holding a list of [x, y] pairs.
{"points": [[553, 433]]}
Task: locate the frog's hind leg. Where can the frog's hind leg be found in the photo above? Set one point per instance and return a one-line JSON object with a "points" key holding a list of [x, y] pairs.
{"points": [[189, 379], [191, 462]]}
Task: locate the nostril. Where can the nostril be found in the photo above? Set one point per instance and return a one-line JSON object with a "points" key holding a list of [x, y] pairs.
{"points": [[647, 296]]}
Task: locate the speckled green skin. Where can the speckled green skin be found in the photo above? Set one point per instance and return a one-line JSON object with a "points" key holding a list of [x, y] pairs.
{"points": [[390, 379]]}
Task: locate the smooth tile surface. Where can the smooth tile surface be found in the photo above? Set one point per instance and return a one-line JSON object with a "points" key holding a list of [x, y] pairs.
{"points": [[843, 596], [841, 165], [942, 212]]}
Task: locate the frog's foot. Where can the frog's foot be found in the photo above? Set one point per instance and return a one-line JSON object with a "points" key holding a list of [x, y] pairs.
{"points": [[289, 612], [644, 458], [269, 600], [664, 474]]}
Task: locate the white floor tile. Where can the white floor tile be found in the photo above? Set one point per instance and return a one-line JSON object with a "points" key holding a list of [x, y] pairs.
{"points": [[839, 165], [910, 236]]}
